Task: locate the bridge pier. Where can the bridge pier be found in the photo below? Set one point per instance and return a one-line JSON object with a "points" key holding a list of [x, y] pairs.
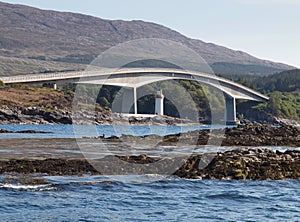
{"points": [[230, 112], [129, 99], [135, 100]]}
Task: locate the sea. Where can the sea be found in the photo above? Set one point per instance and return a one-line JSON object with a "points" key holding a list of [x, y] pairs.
{"points": [[138, 197]]}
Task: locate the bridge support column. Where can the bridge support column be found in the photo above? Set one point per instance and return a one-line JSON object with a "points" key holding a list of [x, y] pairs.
{"points": [[230, 114], [129, 99], [135, 100]]}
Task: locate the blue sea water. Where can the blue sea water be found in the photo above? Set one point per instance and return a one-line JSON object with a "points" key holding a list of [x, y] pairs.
{"points": [[78, 131], [167, 199]]}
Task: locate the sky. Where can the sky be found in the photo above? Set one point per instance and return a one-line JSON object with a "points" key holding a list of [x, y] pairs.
{"points": [[267, 29]]}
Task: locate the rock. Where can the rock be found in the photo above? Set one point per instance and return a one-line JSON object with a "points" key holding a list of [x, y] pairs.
{"points": [[5, 131], [227, 165], [32, 132], [262, 135]]}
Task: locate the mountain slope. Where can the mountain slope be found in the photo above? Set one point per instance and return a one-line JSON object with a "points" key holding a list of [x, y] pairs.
{"points": [[64, 39]]}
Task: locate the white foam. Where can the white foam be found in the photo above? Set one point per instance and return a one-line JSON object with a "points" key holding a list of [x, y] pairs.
{"points": [[42, 187]]}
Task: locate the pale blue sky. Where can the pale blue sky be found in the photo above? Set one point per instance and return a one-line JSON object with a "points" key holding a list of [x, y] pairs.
{"points": [[267, 29]]}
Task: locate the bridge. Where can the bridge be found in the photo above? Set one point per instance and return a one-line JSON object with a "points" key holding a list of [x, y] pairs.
{"points": [[132, 78]]}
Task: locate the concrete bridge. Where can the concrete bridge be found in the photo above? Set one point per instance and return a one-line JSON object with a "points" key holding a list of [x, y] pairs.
{"points": [[132, 78]]}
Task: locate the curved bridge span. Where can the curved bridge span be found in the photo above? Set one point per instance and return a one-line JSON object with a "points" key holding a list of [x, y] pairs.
{"points": [[132, 78]]}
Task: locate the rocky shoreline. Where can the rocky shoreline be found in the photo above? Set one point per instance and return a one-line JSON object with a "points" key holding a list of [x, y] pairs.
{"points": [[35, 115], [245, 164], [242, 135]]}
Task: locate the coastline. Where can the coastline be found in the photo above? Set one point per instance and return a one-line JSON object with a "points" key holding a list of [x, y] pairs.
{"points": [[250, 159], [241, 135], [100, 116]]}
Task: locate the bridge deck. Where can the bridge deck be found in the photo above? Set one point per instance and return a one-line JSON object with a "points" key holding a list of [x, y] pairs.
{"points": [[136, 77]]}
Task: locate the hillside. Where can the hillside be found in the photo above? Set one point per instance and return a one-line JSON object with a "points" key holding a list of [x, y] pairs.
{"points": [[284, 92], [34, 40]]}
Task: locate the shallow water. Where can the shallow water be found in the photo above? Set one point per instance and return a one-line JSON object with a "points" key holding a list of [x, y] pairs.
{"points": [[167, 199], [79, 131], [41, 148]]}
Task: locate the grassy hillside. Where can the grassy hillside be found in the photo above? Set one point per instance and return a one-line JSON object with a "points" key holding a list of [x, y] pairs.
{"points": [[40, 40], [40, 97]]}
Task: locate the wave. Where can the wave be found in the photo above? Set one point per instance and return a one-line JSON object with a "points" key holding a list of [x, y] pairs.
{"points": [[24, 187]]}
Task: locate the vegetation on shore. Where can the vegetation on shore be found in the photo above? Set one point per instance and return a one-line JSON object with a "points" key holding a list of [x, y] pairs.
{"points": [[283, 90], [24, 96]]}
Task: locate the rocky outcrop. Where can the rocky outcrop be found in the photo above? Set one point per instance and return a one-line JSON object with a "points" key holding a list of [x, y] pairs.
{"points": [[250, 164], [48, 166], [24, 131], [243, 135], [262, 135], [5, 131], [33, 115]]}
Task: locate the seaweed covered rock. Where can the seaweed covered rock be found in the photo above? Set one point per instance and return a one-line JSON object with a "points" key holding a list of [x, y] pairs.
{"points": [[252, 164]]}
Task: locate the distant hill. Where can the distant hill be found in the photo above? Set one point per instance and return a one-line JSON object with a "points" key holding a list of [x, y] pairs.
{"points": [[34, 40]]}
